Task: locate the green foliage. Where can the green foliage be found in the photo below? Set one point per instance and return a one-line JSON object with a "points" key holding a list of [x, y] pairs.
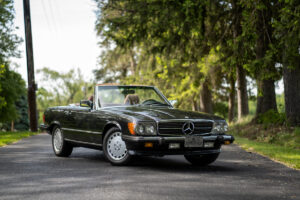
{"points": [[22, 123], [61, 89], [220, 109], [288, 155], [280, 103], [8, 40], [271, 117], [180, 45], [12, 87], [10, 137], [275, 141]]}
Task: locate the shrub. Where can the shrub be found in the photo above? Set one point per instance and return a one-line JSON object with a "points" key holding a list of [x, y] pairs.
{"points": [[271, 117]]}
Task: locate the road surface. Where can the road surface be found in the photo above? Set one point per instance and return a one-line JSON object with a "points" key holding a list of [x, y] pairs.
{"points": [[29, 170]]}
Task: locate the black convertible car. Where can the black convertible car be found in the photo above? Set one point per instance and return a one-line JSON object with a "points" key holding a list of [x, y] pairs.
{"points": [[125, 121]]}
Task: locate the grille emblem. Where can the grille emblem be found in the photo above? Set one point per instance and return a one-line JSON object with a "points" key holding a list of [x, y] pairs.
{"points": [[188, 128]]}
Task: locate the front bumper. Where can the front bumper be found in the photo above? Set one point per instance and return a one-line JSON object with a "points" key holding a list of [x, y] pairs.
{"points": [[44, 127], [161, 145]]}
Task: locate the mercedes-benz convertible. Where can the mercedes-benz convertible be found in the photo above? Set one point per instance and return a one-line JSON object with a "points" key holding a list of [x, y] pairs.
{"points": [[126, 121]]}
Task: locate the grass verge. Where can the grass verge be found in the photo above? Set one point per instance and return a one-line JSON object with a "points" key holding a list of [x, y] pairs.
{"points": [[286, 155], [278, 142], [10, 137]]}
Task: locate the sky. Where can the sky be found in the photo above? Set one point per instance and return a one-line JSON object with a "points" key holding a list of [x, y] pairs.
{"points": [[63, 34]]}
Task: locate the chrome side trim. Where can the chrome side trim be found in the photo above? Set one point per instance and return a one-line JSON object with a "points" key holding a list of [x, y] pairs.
{"points": [[171, 128], [80, 142], [185, 120], [77, 130]]}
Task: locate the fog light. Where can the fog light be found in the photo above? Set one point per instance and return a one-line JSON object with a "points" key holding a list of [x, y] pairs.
{"points": [[209, 144], [174, 146], [149, 144], [226, 142]]}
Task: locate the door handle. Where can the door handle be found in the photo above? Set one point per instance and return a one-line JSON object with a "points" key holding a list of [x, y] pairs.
{"points": [[67, 112]]}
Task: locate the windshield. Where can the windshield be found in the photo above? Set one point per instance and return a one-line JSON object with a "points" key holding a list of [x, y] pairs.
{"points": [[129, 95]]}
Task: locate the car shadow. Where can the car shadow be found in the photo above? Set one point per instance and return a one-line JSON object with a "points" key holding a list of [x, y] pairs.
{"points": [[175, 164], [164, 164]]}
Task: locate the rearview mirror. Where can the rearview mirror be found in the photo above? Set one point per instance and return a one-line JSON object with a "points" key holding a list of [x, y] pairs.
{"points": [[173, 102], [86, 103]]}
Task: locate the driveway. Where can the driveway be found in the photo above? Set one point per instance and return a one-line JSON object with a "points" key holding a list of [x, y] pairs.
{"points": [[29, 170]]}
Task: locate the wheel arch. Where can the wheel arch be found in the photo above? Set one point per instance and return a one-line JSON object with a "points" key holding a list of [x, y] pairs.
{"points": [[52, 125], [110, 125]]}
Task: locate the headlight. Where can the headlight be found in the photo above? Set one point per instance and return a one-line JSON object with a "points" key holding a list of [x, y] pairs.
{"points": [[219, 127], [142, 128], [150, 129]]}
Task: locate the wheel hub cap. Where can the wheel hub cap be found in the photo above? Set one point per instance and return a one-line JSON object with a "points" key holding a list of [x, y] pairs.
{"points": [[57, 140], [116, 147]]}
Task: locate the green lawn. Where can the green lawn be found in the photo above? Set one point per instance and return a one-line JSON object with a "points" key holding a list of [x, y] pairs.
{"points": [[10, 137], [287, 155]]}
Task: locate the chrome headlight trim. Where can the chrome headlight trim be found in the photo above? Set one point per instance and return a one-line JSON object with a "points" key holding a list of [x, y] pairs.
{"points": [[146, 128], [219, 126]]}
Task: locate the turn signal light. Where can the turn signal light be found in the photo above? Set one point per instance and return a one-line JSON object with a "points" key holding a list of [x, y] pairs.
{"points": [[148, 144], [131, 128], [226, 142]]}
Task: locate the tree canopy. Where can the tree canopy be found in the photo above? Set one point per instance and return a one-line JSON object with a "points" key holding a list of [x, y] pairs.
{"points": [[201, 52]]}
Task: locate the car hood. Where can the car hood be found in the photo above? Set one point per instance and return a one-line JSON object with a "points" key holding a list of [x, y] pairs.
{"points": [[158, 113]]}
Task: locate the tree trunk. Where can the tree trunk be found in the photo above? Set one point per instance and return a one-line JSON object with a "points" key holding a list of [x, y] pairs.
{"points": [[194, 105], [231, 101], [12, 126], [291, 79], [266, 97], [242, 95], [206, 98]]}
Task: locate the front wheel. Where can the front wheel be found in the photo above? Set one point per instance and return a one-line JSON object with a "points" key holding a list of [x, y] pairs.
{"points": [[114, 148], [60, 147], [202, 160]]}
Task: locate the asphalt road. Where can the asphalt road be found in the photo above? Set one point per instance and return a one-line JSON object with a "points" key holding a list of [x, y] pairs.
{"points": [[29, 170]]}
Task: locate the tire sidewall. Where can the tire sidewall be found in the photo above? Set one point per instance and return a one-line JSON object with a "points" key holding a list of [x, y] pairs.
{"points": [[58, 153], [124, 160]]}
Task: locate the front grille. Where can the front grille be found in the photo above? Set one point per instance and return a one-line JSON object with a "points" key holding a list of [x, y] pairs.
{"points": [[175, 128]]}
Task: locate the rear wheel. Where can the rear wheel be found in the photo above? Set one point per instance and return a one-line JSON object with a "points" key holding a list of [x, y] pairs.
{"points": [[202, 160], [114, 147], [60, 147]]}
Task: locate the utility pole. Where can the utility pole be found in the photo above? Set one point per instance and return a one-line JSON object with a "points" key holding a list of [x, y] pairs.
{"points": [[30, 68]]}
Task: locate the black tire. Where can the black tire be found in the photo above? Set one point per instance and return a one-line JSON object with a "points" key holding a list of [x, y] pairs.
{"points": [[66, 148], [202, 160], [124, 160]]}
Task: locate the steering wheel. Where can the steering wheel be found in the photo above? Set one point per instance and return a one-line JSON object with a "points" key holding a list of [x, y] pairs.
{"points": [[149, 101]]}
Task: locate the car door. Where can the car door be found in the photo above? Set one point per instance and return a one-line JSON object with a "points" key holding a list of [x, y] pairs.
{"points": [[97, 119], [67, 121], [81, 124]]}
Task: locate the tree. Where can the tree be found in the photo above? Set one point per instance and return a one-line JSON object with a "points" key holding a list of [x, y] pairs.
{"points": [[202, 52], [8, 40], [12, 85], [287, 31], [12, 88], [176, 32], [22, 123], [62, 89]]}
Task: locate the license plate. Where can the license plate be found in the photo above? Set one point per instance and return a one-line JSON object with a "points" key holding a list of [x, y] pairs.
{"points": [[193, 141]]}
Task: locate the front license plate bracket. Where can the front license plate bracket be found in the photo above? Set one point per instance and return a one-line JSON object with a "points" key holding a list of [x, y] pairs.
{"points": [[193, 141]]}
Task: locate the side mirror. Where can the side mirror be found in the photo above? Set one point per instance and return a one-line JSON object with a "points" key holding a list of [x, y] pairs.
{"points": [[86, 103], [173, 102]]}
